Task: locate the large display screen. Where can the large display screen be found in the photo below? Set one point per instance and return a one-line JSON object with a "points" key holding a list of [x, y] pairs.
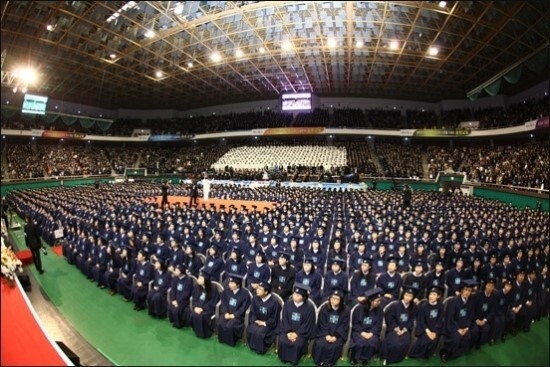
{"points": [[296, 102], [34, 104]]}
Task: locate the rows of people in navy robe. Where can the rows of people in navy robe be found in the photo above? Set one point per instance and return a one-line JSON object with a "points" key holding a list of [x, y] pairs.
{"points": [[326, 240]]}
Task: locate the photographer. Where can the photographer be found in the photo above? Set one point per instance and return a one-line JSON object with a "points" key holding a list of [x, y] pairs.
{"points": [[34, 243]]}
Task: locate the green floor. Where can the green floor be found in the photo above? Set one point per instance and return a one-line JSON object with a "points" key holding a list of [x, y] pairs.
{"points": [[128, 337]]}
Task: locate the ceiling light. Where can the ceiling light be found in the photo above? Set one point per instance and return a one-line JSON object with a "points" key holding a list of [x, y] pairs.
{"points": [[261, 50], [239, 53], [332, 42], [359, 43], [178, 9], [50, 27], [432, 51], [286, 45], [112, 56], [149, 34], [394, 45], [442, 4], [158, 74], [216, 57], [190, 64]]}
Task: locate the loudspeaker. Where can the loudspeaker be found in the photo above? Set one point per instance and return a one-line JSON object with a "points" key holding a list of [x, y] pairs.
{"points": [[69, 353]]}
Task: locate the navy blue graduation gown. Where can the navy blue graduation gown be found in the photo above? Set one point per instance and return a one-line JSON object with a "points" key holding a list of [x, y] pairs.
{"points": [[257, 273], [484, 309], [503, 314], [124, 282], [260, 338], [428, 317], [334, 323], [333, 280], [300, 320], [180, 291], [389, 284], [365, 321], [202, 323], [360, 283], [214, 266], [314, 281], [229, 331], [156, 298], [394, 347], [144, 274], [458, 315], [282, 280]]}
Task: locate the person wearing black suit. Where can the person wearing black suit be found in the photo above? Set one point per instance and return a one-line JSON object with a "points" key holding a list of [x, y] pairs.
{"points": [[164, 189], [193, 193], [34, 243]]}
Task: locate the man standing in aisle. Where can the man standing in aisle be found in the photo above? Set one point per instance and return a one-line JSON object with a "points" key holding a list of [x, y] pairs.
{"points": [[33, 242]]}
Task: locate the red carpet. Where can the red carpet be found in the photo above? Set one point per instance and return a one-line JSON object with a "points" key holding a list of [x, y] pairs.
{"points": [[23, 341]]}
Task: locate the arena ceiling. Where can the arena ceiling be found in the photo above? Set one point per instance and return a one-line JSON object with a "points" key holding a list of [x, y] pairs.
{"points": [[168, 54]]}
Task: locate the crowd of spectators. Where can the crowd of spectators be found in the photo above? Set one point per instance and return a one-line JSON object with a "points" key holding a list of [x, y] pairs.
{"points": [[516, 114], [360, 158], [31, 161], [400, 160], [349, 117], [421, 119], [525, 165], [317, 117], [444, 159], [520, 164], [388, 118]]}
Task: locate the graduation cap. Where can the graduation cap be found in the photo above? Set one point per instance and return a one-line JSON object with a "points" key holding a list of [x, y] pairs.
{"points": [[215, 246], [421, 263], [265, 285], [365, 260], [410, 289], [238, 232], [393, 259], [468, 283], [338, 261], [236, 278], [181, 268], [493, 253], [491, 280], [309, 260], [437, 289], [302, 289], [338, 291], [373, 293], [284, 254]]}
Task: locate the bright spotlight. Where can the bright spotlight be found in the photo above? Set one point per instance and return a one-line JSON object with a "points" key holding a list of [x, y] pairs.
{"points": [[216, 56], [149, 34], [359, 43], [432, 51], [190, 64], [442, 4], [286, 45], [332, 42], [158, 74], [239, 53], [262, 50], [394, 45]]}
